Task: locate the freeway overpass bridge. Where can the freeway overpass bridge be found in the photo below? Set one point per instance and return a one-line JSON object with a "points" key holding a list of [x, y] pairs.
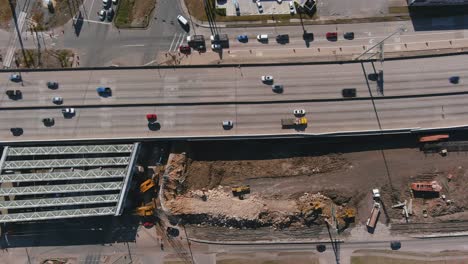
{"points": [[192, 102]]}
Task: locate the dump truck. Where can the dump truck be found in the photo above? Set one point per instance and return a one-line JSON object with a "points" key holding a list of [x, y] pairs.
{"points": [[291, 122], [372, 221], [426, 186], [240, 191]]}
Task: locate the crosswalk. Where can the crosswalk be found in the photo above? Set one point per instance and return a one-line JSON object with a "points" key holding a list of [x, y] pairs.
{"points": [[177, 40], [13, 41]]}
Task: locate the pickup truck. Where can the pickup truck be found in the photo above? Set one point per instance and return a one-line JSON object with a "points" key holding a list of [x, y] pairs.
{"points": [[290, 122]]}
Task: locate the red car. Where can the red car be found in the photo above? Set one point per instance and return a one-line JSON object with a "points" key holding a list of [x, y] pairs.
{"points": [[332, 35], [185, 49], [151, 117]]}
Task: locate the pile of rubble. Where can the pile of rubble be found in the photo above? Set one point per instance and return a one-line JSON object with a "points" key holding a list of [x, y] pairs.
{"points": [[219, 207], [174, 175]]}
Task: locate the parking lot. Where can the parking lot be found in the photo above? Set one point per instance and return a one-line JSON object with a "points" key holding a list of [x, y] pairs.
{"points": [[249, 7]]}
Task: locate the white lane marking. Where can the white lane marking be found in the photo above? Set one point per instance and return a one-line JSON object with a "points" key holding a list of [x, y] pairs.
{"points": [[134, 45], [11, 49], [172, 43], [176, 43], [92, 4], [181, 41], [94, 21]]}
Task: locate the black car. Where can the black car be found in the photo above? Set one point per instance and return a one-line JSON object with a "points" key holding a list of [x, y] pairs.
{"points": [[308, 36], [348, 35], [13, 94], [52, 85], [283, 38], [110, 14], [49, 121], [395, 245], [454, 79], [349, 92], [16, 131]]}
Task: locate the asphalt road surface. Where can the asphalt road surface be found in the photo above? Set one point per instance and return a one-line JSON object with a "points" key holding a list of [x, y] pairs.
{"points": [[194, 102]]}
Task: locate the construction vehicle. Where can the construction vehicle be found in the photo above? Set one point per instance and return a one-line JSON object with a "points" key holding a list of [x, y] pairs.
{"points": [[376, 194], [433, 138], [240, 191], [372, 221], [426, 186], [147, 185], [147, 214], [292, 122]]}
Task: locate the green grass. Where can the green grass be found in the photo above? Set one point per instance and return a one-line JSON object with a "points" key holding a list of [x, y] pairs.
{"points": [[123, 17]]}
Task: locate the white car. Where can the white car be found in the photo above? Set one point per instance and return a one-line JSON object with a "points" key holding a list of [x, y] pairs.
{"points": [[292, 9], [68, 111], [228, 124], [114, 2], [57, 100], [215, 46], [259, 6], [102, 14], [279, 1], [299, 112], [267, 78], [106, 3]]}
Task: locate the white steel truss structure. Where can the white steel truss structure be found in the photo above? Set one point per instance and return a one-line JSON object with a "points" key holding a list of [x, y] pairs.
{"points": [[62, 201], [47, 215], [63, 175], [54, 185], [64, 163], [60, 150], [62, 188]]}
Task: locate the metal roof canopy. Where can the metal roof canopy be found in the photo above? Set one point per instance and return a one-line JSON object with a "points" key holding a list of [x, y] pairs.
{"points": [[108, 180]]}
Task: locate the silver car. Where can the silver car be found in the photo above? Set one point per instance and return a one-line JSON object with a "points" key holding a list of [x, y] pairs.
{"points": [[57, 100]]}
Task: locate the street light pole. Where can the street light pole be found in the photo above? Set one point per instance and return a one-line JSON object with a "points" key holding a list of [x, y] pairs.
{"points": [[381, 43]]}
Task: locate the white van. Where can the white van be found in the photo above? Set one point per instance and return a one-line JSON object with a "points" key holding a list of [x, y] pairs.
{"points": [[182, 20], [262, 37]]}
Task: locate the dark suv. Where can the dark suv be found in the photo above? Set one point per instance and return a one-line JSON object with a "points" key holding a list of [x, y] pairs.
{"points": [[284, 38]]}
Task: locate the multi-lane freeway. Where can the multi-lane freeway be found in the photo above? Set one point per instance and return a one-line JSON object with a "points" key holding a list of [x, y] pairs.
{"points": [[194, 102]]}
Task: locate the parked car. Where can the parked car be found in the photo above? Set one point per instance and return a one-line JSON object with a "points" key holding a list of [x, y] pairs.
{"points": [[57, 100], [110, 14], [185, 49], [15, 77], [332, 36], [292, 8], [102, 14], [228, 124], [215, 46], [49, 121], [349, 92], [106, 3], [151, 118], [267, 78], [242, 38], [52, 85], [114, 2], [279, 1], [259, 6], [299, 112], [68, 112], [283, 38], [277, 88], [104, 91], [348, 35], [454, 79]]}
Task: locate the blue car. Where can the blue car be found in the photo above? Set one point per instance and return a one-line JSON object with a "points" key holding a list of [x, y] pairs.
{"points": [[242, 38], [454, 79], [104, 91], [15, 78]]}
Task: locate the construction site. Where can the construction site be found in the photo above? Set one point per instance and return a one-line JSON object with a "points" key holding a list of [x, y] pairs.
{"points": [[267, 190]]}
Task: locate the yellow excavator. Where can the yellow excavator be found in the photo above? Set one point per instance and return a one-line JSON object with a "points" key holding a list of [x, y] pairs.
{"points": [[147, 210], [240, 191]]}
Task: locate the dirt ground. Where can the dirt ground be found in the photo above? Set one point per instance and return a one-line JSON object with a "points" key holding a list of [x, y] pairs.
{"points": [[45, 59], [63, 11], [5, 13], [343, 172], [134, 13], [271, 258], [392, 257]]}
